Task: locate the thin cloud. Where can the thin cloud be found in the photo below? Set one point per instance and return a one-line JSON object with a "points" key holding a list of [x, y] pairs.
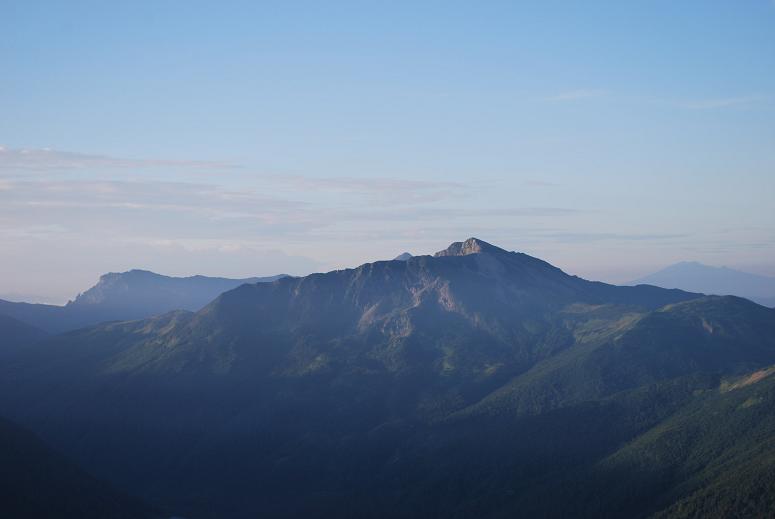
{"points": [[576, 95], [43, 231], [381, 189], [426, 215], [369, 184], [576, 237], [373, 190], [43, 159], [177, 209], [212, 201], [727, 102], [539, 183]]}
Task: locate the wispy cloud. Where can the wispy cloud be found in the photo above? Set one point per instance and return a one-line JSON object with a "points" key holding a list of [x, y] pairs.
{"points": [[207, 200], [43, 159], [202, 210], [584, 237], [447, 214], [539, 183], [726, 102], [390, 190], [43, 231], [576, 95], [382, 190]]}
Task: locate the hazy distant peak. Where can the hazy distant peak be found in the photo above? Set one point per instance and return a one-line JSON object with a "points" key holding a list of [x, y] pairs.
{"points": [[135, 273], [694, 265], [470, 246], [698, 277], [688, 264], [404, 256], [141, 290]]}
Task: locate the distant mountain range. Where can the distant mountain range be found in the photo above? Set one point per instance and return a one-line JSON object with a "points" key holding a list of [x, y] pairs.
{"points": [[696, 277], [135, 294], [473, 383]]}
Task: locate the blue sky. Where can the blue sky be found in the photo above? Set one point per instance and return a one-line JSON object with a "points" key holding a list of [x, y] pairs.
{"points": [[250, 138]]}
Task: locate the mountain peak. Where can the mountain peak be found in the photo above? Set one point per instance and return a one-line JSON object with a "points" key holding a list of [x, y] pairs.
{"points": [[404, 256], [470, 246], [133, 273], [698, 277]]}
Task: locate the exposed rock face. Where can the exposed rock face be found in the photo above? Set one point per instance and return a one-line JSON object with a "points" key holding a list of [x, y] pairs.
{"points": [[470, 246]]}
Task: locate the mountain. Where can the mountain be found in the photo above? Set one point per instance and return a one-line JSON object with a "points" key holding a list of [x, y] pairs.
{"points": [[16, 334], [23, 297], [696, 277], [38, 482], [718, 451], [404, 256], [135, 294], [473, 383], [706, 454], [140, 293]]}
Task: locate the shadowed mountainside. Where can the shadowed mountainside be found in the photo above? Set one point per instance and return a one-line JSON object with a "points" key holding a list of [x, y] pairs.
{"points": [[38, 482], [16, 334]]}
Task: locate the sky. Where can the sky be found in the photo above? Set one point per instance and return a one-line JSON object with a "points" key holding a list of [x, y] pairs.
{"points": [[252, 138]]}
